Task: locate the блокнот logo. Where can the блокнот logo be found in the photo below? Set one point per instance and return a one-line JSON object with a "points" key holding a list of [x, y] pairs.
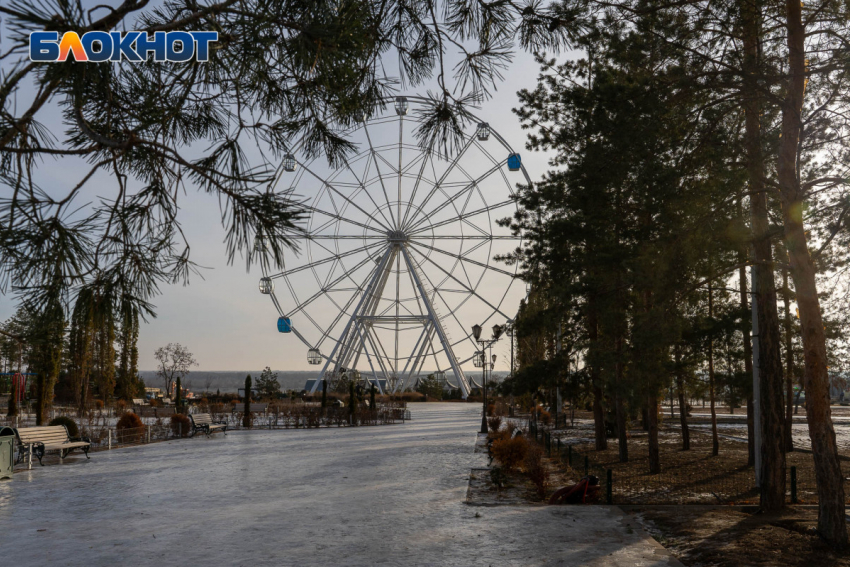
{"points": [[100, 46]]}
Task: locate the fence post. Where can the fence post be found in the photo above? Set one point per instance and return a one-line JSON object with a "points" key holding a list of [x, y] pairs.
{"points": [[609, 488], [109, 437], [793, 485], [180, 428], [586, 464], [149, 433], [570, 456], [559, 446]]}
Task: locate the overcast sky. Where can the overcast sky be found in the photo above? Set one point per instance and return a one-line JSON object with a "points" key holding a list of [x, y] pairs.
{"points": [[222, 318]]}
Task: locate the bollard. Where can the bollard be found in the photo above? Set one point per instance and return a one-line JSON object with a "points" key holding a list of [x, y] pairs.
{"points": [[586, 464], [109, 437], [793, 485], [180, 429], [609, 489]]}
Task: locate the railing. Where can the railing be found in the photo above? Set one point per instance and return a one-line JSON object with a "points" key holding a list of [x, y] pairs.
{"points": [[673, 486]]}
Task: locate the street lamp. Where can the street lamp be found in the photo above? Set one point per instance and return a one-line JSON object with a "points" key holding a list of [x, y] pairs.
{"points": [[482, 357]]}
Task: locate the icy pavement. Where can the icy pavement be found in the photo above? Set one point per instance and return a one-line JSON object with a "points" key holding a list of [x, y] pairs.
{"points": [[389, 495]]}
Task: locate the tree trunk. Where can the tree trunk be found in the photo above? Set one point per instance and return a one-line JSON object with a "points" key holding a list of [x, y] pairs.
{"points": [[715, 441], [620, 409], [830, 483], [595, 378], [748, 361], [683, 406], [652, 413], [789, 366], [772, 473]]}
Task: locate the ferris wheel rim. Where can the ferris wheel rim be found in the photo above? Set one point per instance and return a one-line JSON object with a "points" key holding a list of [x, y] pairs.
{"points": [[417, 238]]}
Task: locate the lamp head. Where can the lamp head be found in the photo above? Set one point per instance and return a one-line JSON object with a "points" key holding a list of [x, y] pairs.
{"points": [[493, 358], [497, 331], [476, 331]]}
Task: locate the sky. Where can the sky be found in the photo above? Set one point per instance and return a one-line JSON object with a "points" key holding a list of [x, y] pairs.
{"points": [[222, 318]]}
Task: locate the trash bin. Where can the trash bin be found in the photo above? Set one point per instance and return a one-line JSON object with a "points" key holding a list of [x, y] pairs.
{"points": [[7, 451]]}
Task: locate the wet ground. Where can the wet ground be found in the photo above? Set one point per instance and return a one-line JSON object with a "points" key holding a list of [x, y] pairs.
{"points": [[390, 495]]}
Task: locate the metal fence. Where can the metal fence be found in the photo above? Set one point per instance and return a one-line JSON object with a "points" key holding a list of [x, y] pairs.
{"points": [[673, 486]]}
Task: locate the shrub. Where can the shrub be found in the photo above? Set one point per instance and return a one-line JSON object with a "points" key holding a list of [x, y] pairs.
{"points": [[491, 409], [498, 477], [544, 416], [70, 425], [180, 425], [510, 427], [494, 422], [130, 428], [510, 452], [536, 470], [129, 421]]}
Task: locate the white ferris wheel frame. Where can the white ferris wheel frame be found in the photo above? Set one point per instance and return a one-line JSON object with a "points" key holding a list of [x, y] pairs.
{"points": [[395, 240]]}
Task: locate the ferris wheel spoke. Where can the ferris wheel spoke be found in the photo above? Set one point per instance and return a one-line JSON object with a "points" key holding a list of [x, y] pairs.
{"points": [[463, 285], [300, 307], [425, 158], [437, 292], [341, 218], [466, 216], [362, 183], [320, 262], [439, 182], [463, 258], [352, 203], [374, 156], [470, 186]]}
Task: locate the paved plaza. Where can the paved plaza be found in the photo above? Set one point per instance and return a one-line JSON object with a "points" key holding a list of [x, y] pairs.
{"points": [[389, 495]]}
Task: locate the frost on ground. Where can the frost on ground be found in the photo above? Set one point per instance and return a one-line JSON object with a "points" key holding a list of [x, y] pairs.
{"points": [[390, 495]]}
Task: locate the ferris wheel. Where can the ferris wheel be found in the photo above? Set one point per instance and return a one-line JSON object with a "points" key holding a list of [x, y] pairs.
{"points": [[396, 260]]}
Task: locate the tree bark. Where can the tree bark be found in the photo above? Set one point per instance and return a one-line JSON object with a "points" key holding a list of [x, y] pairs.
{"points": [[789, 366], [715, 441], [620, 409], [832, 525], [652, 414], [772, 473], [748, 363], [683, 406], [595, 379]]}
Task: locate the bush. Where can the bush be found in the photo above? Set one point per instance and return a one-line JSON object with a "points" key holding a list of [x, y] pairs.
{"points": [[536, 470], [70, 425], [510, 427], [129, 421], [494, 422], [498, 477], [544, 416], [510, 452], [180, 425], [130, 428]]}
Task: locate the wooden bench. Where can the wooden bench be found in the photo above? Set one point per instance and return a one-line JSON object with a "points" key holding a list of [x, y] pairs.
{"points": [[39, 440], [203, 422]]}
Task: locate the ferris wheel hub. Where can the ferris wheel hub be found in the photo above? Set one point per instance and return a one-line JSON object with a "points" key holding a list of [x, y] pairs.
{"points": [[397, 236]]}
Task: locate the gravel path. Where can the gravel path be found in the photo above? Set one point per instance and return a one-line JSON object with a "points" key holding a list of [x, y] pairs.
{"points": [[390, 495]]}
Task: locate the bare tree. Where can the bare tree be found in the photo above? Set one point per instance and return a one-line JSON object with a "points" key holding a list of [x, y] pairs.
{"points": [[175, 360]]}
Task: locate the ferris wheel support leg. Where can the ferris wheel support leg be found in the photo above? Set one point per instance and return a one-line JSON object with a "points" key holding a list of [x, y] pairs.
{"points": [[417, 348], [369, 360], [441, 333], [368, 296]]}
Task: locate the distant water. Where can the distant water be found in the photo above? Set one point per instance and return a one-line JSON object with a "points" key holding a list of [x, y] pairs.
{"points": [[231, 380]]}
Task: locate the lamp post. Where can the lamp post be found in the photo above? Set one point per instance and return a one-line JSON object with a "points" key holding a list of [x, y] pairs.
{"points": [[476, 333]]}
